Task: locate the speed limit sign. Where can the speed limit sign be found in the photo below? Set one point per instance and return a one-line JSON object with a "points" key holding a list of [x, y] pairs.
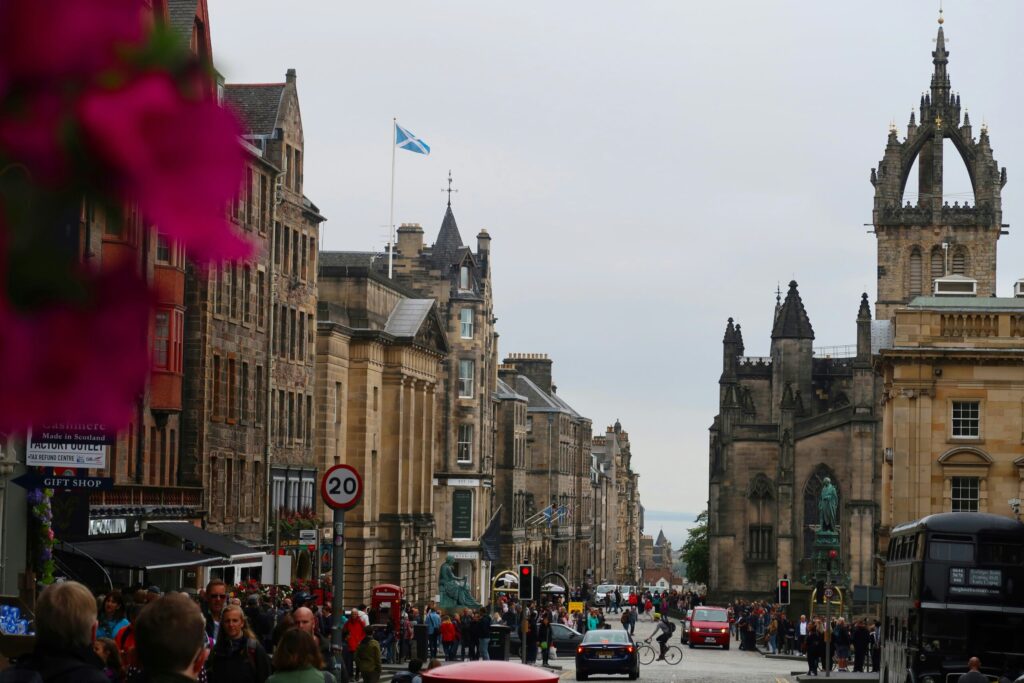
{"points": [[341, 487]]}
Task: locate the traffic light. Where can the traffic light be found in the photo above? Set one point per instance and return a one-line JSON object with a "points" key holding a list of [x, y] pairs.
{"points": [[783, 592], [526, 582]]}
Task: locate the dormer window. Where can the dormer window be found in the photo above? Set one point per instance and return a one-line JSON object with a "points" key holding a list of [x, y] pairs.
{"points": [[464, 278]]}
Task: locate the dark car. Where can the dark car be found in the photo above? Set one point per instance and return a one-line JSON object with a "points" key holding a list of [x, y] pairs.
{"points": [[605, 651], [710, 626], [564, 639], [685, 637]]}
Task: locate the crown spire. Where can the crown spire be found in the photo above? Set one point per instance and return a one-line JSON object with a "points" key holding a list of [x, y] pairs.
{"points": [[940, 58]]}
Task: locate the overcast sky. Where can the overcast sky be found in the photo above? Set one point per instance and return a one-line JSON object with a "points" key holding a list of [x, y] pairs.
{"points": [[645, 169]]}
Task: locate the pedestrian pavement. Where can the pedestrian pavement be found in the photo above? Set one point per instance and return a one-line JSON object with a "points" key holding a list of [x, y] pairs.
{"points": [[839, 675]]}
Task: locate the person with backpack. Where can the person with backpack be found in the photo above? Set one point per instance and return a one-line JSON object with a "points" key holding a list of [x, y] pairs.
{"points": [[65, 631], [664, 628], [237, 656]]}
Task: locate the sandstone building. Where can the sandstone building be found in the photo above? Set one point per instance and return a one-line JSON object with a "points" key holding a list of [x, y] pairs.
{"points": [[950, 354], [379, 354], [616, 509], [287, 283], [459, 280], [786, 422]]}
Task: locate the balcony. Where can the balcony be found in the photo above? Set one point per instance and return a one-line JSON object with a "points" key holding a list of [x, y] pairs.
{"points": [[149, 496], [989, 325]]}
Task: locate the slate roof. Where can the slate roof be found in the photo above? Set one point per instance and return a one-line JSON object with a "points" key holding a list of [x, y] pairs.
{"points": [[449, 241], [792, 321], [661, 538], [538, 400], [182, 16], [505, 392], [408, 316], [347, 259], [256, 103]]}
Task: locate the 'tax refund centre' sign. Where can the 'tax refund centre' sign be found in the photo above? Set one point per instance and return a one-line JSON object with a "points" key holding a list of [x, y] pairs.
{"points": [[91, 456]]}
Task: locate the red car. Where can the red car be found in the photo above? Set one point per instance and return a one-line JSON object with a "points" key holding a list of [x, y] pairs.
{"points": [[710, 626]]}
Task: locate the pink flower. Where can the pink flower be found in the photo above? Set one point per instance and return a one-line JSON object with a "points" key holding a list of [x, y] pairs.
{"points": [[180, 159], [77, 362], [42, 40], [31, 134]]}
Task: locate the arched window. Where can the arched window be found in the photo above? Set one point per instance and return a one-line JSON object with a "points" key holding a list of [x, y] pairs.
{"points": [[812, 492], [915, 272], [938, 266], [760, 525], [960, 260]]}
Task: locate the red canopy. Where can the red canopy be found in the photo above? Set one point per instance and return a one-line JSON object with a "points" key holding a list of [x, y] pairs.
{"points": [[481, 671]]}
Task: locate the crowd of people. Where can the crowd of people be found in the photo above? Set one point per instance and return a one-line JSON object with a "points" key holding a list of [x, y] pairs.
{"points": [[767, 624]]}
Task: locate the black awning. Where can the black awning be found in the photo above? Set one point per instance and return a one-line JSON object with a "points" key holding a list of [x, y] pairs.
{"points": [[137, 553], [204, 540]]}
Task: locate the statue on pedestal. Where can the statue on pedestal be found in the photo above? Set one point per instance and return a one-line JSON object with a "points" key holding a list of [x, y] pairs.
{"points": [[453, 590], [828, 506]]}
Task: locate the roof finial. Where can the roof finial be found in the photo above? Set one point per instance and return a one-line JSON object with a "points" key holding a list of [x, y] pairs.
{"points": [[449, 190], [941, 20]]}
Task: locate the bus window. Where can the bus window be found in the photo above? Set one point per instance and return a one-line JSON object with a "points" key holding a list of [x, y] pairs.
{"points": [[999, 553], [951, 551]]}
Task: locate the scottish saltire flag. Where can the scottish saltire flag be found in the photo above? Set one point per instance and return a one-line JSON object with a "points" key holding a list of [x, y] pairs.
{"points": [[406, 140]]}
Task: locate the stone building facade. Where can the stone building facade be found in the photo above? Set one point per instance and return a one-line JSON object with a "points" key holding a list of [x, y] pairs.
{"points": [[949, 353], [459, 280], [226, 357], [273, 123], [510, 472], [616, 508], [557, 472], [953, 417], [379, 354], [785, 423]]}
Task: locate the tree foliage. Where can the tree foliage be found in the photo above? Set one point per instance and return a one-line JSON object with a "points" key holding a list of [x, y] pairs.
{"points": [[695, 551]]}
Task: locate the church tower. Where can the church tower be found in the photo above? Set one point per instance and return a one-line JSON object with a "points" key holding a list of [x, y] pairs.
{"points": [[919, 243]]}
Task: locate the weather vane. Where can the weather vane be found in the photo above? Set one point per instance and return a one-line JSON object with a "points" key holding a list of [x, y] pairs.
{"points": [[449, 190]]}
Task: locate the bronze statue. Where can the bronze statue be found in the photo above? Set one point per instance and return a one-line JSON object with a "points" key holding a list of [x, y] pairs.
{"points": [[828, 506], [453, 590]]}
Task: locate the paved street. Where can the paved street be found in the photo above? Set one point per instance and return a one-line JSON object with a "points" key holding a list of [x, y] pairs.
{"points": [[702, 664]]}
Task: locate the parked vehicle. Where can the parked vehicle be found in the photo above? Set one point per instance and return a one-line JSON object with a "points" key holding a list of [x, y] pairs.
{"points": [[565, 640], [709, 626], [687, 618], [607, 651], [601, 593]]}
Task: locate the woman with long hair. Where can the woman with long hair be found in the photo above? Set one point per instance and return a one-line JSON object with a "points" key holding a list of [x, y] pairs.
{"points": [[297, 659], [237, 656], [112, 617]]}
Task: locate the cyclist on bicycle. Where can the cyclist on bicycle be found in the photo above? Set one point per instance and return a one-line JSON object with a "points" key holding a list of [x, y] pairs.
{"points": [[663, 626]]}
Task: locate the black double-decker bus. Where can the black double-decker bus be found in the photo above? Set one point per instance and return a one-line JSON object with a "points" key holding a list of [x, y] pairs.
{"points": [[954, 589]]}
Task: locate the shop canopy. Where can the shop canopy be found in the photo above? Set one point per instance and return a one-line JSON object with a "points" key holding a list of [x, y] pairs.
{"points": [[136, 553], [207, 541]]}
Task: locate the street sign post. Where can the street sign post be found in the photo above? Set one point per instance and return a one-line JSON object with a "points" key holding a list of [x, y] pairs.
{"points": [[341, 489]]}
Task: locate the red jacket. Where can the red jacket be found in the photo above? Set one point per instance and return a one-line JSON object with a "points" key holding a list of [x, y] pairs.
{"points": [[448, 633]]}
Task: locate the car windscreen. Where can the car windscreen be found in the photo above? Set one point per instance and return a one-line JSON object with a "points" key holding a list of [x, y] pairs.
{"points": [[605, 636], [710, 615], [607, 588]]}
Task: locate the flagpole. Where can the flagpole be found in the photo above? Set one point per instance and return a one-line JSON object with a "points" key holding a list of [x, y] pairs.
{"points": [[391, 220]]}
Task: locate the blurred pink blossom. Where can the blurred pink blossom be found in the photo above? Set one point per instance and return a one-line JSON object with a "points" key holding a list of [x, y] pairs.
{"points": [[31, 134], [44, 40], [181, 159], [76, 362]]}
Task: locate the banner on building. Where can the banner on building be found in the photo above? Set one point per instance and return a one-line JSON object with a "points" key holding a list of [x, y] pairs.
{"points": [[91, 456]]}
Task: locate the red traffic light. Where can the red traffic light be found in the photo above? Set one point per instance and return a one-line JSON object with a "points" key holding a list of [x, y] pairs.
{"points": [[784, 584], [526, 571], [832, 554]]}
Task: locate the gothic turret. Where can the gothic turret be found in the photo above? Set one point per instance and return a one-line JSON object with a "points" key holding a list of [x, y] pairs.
{"points": [[792, 349], [911, 236]]}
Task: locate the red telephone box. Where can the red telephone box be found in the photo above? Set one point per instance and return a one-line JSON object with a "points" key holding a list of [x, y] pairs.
{"points": [[386, 601]]}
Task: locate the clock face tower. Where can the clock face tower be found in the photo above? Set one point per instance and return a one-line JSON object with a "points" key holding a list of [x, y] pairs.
{"points": [[918, 243]]}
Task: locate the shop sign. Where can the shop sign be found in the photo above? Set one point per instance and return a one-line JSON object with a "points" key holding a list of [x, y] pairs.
{"points": [[464, 554], [464, 482], [76, 455], [59, 434], [307, 536], [108, 527]]}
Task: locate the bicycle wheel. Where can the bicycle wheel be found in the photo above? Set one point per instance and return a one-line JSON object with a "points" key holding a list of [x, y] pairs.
{"points": [[645, 653], [674, 655]]}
